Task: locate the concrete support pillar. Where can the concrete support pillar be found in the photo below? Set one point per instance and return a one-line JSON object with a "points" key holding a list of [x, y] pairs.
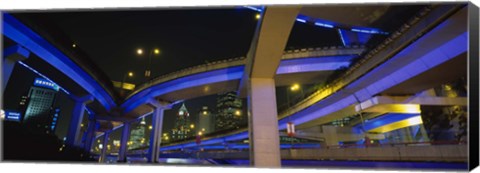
{"points": [[122, 153], [103, 153], [76, 120], [11, 56], [90, 134], [263, 123], [156, 134]]}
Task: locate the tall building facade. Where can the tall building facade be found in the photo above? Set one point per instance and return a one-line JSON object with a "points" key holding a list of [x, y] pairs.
{"points": [[183, 129], [229, 111], [39, 113], [206, 121], [137, 137]]}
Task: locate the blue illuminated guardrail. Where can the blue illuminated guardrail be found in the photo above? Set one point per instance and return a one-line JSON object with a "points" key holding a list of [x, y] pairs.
{"points": [[327, 24]]}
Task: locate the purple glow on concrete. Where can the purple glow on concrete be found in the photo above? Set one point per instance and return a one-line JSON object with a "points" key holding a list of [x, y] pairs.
{"points": [[16, 31], [209, 77], [433, 58], [437, 56], [300, 65], [239, 136], [234, 137], [385, 120], [16, 49], [310, 114]]}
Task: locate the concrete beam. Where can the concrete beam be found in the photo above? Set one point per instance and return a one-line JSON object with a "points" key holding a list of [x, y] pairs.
{"points": [[263, 60], [90, 136], [406, 104], [112, 118], [268, 44], [123, 142], [155, 135], [103, 153], [76, 119]]}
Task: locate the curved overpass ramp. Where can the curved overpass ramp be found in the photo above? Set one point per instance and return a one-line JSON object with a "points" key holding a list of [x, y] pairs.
{"points": [[404, 57]]}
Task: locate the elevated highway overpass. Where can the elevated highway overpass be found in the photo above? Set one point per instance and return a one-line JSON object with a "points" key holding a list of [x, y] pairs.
{"points": [[405, 64], [442, 47]]}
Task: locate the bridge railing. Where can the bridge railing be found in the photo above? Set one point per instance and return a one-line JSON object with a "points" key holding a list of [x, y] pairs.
{"points": [[237, 61], [442, 151], [415, 28]]}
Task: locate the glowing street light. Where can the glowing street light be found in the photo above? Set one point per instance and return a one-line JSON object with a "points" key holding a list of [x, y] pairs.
{"points": [[257, 16], [205, 112], [238, 113], [200, 133], [130, 74], [139, 51], [192, 126], [295, 87], [150, 127], [154, 51]]}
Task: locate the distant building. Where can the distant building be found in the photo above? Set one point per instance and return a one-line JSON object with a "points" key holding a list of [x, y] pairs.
{"points": [[229, 112], [137, 137], [183, 129], [206, 121], [39, 113]]}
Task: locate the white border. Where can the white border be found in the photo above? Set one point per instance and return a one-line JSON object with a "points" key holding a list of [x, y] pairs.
{"points": [[14, 5]]}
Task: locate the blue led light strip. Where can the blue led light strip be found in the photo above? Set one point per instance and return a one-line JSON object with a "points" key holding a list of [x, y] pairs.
{"points": [[328, 24], [253, 8], [341, 36], [43, 76]]}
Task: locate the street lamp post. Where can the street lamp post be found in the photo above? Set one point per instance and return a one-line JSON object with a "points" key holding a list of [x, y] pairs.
{"points": [[129, 74], [152, 52]]}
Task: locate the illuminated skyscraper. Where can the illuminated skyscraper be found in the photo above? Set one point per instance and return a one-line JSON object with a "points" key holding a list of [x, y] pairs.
{"points": [[229, 112], [183, 129], [137, 137], [39, 113]]}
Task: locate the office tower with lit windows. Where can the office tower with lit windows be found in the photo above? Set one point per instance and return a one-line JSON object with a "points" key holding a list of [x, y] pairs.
{"points": [[39, 113], [229, 111], [206, 121], [137, 137], [183, 129]]}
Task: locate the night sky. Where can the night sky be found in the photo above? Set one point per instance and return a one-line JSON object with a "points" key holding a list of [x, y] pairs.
{"points": [[185, 37]]}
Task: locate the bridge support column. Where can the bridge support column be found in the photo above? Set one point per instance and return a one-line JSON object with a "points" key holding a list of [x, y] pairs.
{"points": [[76, 120], [263, 123], [11, 56], [103, 153], [122, 153], [155, 135], [90, 134]]}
